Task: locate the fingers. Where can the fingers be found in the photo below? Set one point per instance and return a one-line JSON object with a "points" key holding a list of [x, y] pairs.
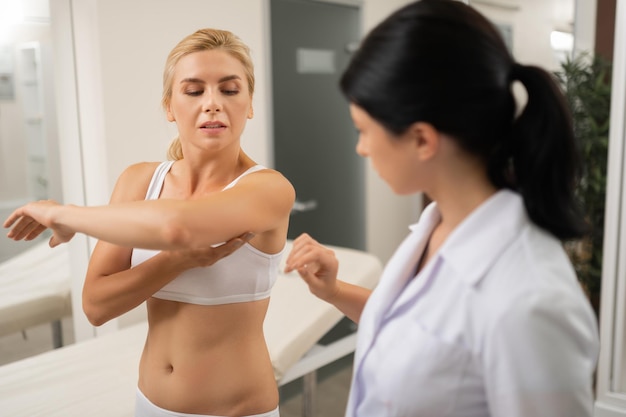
{"points": [[246, 237], [13, 217], [8, 222], [22, 228], [306, 252], [233, 244], [53, 242], [202, 257], [308, 273], [36, 232]]}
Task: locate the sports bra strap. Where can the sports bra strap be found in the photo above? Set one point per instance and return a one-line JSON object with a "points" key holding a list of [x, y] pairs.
{"points": [[246, 172], [158, 178]]}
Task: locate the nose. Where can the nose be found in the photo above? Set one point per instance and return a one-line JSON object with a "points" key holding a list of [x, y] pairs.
{"points": [[212, 103], [361, 149]]}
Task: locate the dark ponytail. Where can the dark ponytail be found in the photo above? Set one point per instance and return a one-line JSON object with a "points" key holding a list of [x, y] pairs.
{"points": [[442, 62], [546, 157]]}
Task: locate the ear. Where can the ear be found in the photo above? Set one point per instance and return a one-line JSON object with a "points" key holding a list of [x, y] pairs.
{"points": [[169, 114], [425, 138], [251, 112]]}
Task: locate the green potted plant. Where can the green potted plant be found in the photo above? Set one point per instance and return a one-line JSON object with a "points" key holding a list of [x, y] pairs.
{"points": [[586, 83]]}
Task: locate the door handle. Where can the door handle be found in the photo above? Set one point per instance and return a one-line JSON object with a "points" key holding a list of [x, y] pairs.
{"points": [[302, 206]]}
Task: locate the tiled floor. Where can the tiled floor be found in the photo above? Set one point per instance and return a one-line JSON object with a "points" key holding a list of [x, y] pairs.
{"points": [[331, 394]]}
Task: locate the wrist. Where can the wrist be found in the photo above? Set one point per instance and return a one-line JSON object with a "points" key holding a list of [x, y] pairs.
{"points": [[334, 295], [59, 213], [175, 261]]}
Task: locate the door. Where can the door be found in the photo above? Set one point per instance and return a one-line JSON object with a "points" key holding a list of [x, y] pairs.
{"points": [[314, 138]]}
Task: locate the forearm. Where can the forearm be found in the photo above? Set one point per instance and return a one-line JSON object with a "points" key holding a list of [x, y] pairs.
{"points": [[159, 224], [106, 297], [192, 223], [350, 300]]}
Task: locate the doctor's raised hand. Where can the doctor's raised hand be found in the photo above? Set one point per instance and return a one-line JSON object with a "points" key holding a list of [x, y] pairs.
{"points": [[316, 264], [318, 267]]}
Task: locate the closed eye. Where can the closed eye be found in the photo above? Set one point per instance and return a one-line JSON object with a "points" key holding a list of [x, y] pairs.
{"points": [[194, 93]]}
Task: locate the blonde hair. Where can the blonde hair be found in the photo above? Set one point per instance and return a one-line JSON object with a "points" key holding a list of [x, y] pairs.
{"points": [[203, 40]]}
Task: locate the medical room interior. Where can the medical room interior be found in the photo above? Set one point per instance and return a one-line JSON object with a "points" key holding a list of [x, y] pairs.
{"points": [[80, 101]]}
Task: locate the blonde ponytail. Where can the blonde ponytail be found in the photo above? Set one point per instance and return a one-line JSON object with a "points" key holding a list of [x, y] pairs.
{"points": [[175, 151]]}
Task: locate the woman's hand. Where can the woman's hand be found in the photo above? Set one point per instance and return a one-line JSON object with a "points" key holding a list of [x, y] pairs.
{"points": [[193, 258], [316, 264], [29, 221]]}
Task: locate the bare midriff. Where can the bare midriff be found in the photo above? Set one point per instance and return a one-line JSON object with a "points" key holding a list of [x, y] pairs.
{"points": [[208, 359]]}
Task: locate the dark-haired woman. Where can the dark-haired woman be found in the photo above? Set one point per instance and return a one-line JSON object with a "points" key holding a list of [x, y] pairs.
{"points": [[479, 312]]}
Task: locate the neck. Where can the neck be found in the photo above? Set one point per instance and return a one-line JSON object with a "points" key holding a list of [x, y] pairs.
{"points": [[459, 195], [214, 174]]}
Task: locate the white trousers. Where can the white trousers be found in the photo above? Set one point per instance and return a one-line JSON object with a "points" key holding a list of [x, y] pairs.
{"points": [[145, 408]]}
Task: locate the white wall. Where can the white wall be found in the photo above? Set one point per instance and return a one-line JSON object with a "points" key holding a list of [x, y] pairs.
{"points": [[532, 22], [585, 25]]}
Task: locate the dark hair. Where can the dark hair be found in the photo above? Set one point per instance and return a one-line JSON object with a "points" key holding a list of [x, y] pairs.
{"points": [[442, 62]]}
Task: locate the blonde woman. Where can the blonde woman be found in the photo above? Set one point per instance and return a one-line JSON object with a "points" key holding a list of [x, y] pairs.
{"points": [[205, 353]]}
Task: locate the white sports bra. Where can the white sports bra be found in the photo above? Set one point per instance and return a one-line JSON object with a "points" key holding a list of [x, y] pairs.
{"points": [[246, 275]]}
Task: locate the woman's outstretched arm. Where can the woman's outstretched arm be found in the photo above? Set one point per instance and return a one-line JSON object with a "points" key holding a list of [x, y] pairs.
{"points": [[260, 202]]}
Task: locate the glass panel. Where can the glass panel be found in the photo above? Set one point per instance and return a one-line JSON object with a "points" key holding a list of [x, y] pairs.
{"points": [[29, 170], [29, 167]]}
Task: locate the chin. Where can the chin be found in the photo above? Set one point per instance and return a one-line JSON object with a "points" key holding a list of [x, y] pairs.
{"points": [[405, 191]]}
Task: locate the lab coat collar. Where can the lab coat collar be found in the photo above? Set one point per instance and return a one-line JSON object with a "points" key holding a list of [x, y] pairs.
{"points": [[398, 271], [469, 251], [478, 241]]}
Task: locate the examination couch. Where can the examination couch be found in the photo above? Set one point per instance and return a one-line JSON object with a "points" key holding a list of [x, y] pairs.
{"points": [[34, 290]]}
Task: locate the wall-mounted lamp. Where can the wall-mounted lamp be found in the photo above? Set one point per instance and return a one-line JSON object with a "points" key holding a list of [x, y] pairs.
{"points": [[561, 41]]}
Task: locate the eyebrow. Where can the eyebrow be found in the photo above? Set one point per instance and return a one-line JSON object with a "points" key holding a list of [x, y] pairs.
{"points": [[221, 80]]}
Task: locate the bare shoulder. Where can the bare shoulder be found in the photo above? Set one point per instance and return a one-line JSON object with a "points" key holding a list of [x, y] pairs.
{"points": [[266, 188], [272, 181], [133, 182]]}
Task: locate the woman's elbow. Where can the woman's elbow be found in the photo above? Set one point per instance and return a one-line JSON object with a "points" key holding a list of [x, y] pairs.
{"points": [[175, 233], [96, 316]]}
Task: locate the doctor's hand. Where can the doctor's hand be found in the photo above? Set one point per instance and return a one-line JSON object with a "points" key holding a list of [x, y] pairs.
{"points": [[316, 264], [193, 258], [29, 221]]}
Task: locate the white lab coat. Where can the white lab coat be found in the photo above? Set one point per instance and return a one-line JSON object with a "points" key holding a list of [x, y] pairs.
{"points": [[496, 324]]}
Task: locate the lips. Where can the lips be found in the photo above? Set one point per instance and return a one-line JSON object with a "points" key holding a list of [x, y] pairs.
{"points": [[212, 125]]}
